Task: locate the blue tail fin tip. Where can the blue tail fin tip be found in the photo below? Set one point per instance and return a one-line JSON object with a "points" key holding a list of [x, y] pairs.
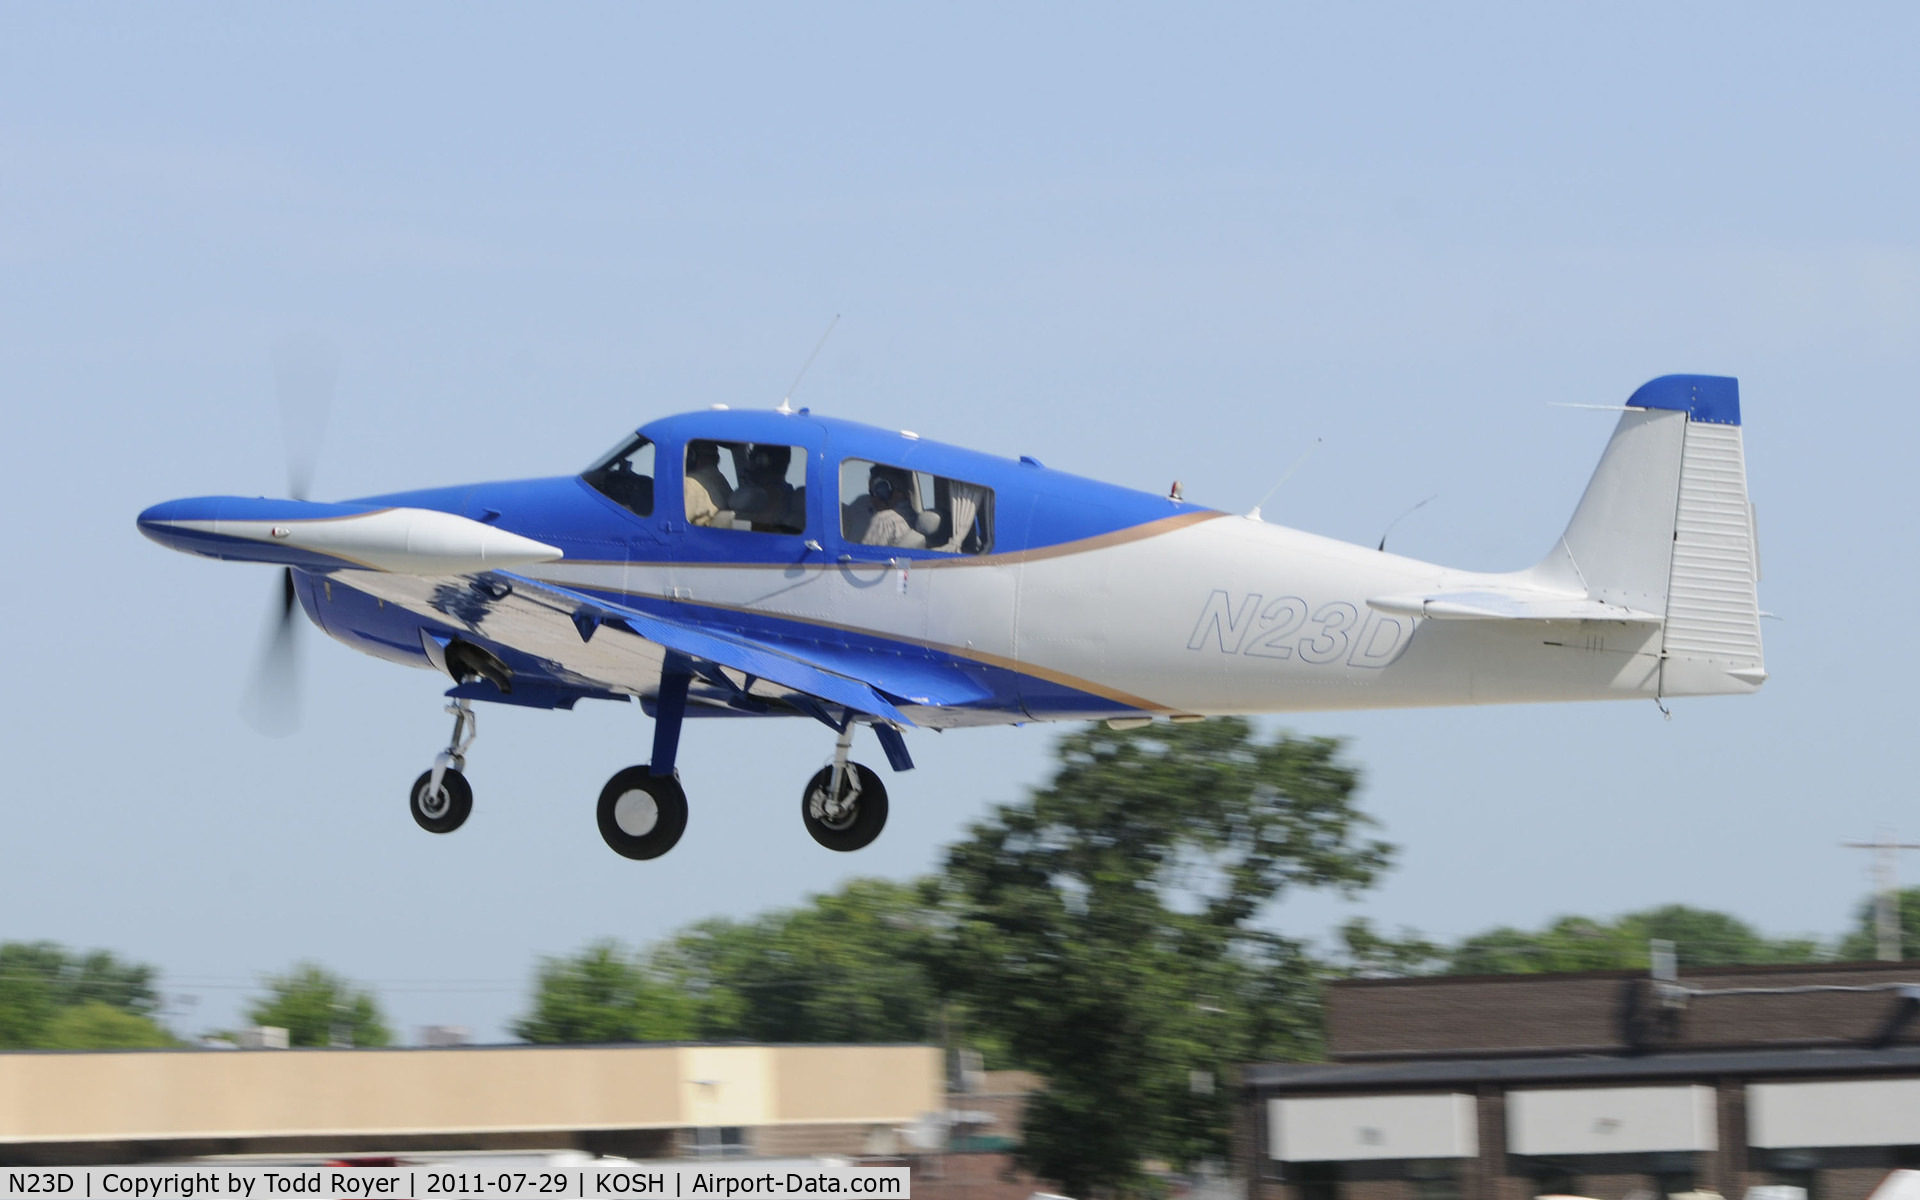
{"points": [[1713, 399]]}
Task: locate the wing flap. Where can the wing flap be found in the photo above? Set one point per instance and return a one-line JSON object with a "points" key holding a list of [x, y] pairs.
{"points": [[1514, 604]]}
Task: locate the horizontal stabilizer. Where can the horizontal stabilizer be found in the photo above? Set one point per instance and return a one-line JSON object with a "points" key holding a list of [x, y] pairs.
{"points": [[1509, 605]]}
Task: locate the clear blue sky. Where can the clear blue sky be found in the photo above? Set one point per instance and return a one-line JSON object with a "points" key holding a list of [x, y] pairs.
{"points": [[1142, 243]]}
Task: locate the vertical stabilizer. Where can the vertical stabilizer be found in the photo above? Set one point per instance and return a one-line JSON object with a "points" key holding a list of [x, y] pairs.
{"points": [[1665, 526]]}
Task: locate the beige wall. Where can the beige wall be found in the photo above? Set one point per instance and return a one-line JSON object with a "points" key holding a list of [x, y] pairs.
{"points": [[61, 1097]]}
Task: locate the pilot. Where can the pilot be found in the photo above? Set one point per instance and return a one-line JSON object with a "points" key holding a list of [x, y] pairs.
{"points": [[764, 495], [709, 499], [893, 522]]}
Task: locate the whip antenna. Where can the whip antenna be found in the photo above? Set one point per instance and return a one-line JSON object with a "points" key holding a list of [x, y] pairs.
{"points": [[1403, 516], [786, 401], [1254, 514]]}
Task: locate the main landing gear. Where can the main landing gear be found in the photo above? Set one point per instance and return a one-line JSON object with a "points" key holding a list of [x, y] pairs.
{"points": [[441, 799], [845, 804], [642, 814], [643, 810]]}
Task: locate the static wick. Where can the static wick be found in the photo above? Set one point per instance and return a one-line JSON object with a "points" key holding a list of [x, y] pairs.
{"points": [[786, 401]]}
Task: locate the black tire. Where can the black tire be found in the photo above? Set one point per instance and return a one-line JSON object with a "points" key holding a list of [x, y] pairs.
{"points": [[445, 812], [857, 828], [642, 815]]}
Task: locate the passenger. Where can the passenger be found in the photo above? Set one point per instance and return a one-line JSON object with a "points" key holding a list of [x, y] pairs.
{"points": [[892, 519], [709, 499]]}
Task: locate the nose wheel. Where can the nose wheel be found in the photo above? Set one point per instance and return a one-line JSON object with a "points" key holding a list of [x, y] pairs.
{"points": [[642, 815], [442, 799], [443, 808]]}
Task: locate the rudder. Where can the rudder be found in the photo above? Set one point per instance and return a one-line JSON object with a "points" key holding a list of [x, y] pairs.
{"points": [[1665, 526]]}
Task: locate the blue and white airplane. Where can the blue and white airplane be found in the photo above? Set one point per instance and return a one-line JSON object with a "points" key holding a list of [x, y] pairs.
{"points": [[777, 563]]}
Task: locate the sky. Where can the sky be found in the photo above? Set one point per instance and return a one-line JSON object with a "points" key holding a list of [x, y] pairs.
{"points": [[1141, 243]]}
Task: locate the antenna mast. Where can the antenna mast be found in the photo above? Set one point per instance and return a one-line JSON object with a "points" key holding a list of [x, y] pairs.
{"points": [[786, 401], [1886, 891]]}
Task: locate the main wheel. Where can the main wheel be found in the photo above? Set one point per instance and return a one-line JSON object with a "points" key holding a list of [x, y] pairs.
{"points": [[445, 810], [641, 814], [856, 820]]}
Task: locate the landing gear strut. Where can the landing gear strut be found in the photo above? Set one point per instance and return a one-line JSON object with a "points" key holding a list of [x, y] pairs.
{"points": [[441, 799], [643, 809], [845, 805]]}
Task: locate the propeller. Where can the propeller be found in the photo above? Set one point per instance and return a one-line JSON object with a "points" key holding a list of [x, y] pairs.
{"points": [[305, 370]]}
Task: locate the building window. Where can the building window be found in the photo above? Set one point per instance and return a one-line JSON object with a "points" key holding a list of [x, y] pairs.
{"points": [[1802, 1179], [717, 1141], [1434, 1178], [1315, 1180], [1554, 1179], [1673, 1174]]}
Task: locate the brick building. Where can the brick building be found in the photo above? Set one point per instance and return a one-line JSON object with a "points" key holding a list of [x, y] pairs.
{"points": [[1603, 1084]]}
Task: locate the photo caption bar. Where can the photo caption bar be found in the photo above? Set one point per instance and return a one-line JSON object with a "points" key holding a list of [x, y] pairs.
{"points": [[734, 1181]]}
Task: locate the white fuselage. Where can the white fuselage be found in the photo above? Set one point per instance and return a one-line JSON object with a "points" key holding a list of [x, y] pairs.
{"points": [[1204, 614]]}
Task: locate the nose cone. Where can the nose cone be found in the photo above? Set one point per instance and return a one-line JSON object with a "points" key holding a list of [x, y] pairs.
{"points": [[162, 522]]}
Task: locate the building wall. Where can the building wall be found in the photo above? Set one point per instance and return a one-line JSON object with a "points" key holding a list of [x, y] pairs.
{"points": [[275, 1095], [1731, 1168], [1487, 1034]]}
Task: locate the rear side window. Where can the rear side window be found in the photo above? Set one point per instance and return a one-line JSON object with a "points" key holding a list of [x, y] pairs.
{"points": [[882, 505], [626, 477]]}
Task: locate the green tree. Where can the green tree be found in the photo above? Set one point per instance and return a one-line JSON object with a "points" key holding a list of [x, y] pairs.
{"points": [[1367, 953], [1108, 930], [1704, 938], [603, 995], [39, 981], [1862, 943], [315, 1006], [1568, 944], [849, 966], [1701, 938], [98, 1026]]}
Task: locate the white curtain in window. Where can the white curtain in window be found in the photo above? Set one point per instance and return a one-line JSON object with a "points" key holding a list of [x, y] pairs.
{"points": [[965, 499]]}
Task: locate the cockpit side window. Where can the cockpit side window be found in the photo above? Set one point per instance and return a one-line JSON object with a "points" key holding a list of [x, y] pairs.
{"points": [[626, 476], [760, 487], [882, 505]]}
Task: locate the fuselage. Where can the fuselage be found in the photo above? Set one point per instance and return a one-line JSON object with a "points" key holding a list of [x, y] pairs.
{"points": [[1082, 600], [739, 564]]}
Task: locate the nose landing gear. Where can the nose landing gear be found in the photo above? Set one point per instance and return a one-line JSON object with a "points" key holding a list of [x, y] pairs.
{"points": [[441, 799], [844, 806]]}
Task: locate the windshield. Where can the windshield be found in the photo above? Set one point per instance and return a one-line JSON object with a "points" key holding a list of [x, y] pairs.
{"points": [[625, 476]]}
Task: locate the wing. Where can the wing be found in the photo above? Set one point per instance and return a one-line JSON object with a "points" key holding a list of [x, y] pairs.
{"points": [[755, 658], [570, 642], [1509, 605]]}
